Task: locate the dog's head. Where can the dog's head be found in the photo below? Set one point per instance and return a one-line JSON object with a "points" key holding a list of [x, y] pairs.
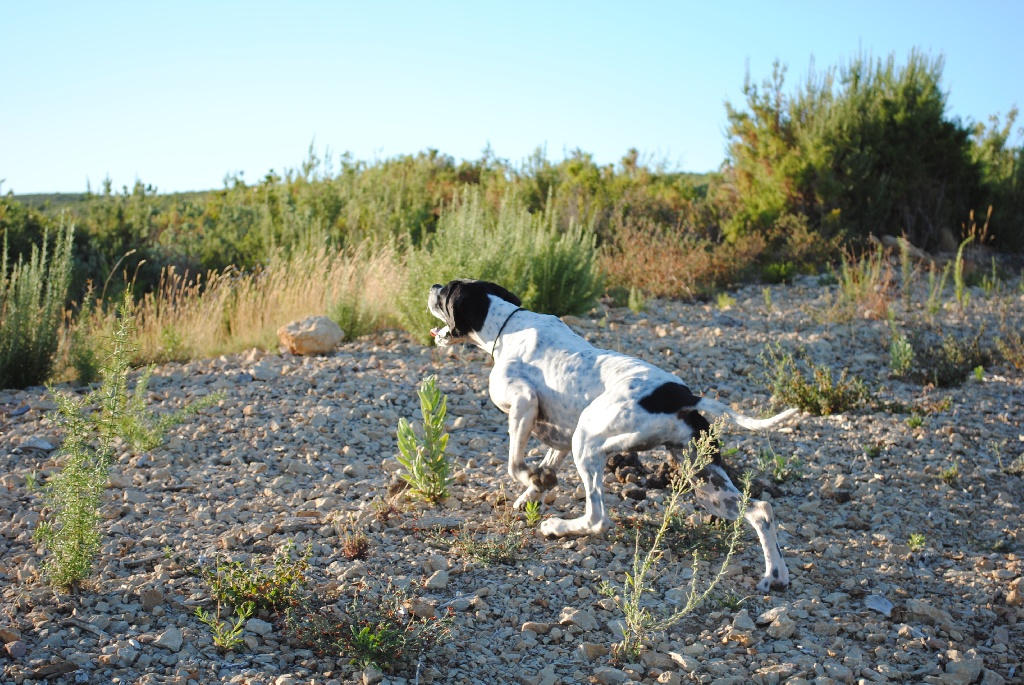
{"points": [[463, 305]]}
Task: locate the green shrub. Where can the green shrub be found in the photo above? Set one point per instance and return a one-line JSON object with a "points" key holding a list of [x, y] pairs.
{"points": [[848, 141], [267, 588], [551, 270], [94, 424], [32, 296], [815, 392], [945, 362], [427, 470]]}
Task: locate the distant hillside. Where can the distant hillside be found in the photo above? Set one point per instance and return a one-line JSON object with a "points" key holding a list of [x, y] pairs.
{"points": [[74, 201]]}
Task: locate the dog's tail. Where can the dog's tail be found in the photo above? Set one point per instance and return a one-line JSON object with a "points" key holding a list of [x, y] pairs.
{"points": [[718, 409]]}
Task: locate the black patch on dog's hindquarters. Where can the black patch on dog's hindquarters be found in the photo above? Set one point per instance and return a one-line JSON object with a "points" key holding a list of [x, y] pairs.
{"points": [[668, 398]]}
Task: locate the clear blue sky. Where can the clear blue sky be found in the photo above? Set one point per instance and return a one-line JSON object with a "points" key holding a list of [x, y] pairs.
{"points": [[179, 94]]}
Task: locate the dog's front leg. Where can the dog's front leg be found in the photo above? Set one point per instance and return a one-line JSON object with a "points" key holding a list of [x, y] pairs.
{"points": [[522, 414]]}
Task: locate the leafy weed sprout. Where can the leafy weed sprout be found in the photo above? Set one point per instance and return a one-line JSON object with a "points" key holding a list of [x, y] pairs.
{"points": [[901, 354], [950, 474], [637, 301], [374, 628], [639, 619], [94, 424], [503, 546], [915, 420], [238, 583], [916, 542], [427, 470], [819, 395], [725, 300], [766, 293], [780, 468], [532, 513], [227, 635]]}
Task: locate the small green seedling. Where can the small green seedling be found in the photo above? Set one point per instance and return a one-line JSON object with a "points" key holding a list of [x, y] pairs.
{"points": [[532, 511], [227, 635]]}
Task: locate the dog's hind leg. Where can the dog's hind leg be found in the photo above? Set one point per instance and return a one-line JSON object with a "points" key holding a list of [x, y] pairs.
{"points": [[590, 452], [719, 496], [547, 471]]}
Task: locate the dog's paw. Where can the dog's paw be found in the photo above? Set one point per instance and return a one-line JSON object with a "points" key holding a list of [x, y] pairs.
{"points": [[552, 527], [770, 583], [532, 494], [543, 478]]}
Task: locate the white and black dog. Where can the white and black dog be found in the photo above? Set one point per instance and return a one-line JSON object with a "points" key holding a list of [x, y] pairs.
{"points": [[577, 398]]}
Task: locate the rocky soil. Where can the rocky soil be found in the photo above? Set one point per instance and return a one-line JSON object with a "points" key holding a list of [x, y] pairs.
{"points": [[303, 449]]}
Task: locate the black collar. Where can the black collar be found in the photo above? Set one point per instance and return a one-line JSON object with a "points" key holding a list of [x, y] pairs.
{"points": [[500, 330]]}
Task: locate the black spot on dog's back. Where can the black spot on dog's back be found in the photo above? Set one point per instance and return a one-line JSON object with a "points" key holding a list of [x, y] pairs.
{"points": [[668, 398]]}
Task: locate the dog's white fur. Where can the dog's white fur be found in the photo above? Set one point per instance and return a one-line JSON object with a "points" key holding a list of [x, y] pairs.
{"points": [[577, 398]]}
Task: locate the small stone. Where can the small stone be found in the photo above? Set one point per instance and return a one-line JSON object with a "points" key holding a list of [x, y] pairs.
{"points": [[924, 612], [687, 663], [151, 598], [742, 621], [421, 608], [589, 651], [16, 649], [437, 562], [437, 581], [634, 491], [662, 662], [770, 615], [263, 372], [579, 617], [963, 672], [170, 639], [259, 626], [992, 678], [536, 627], [371, 676], [669, 678], [605, 675], [285, 680], [9, 635], [312, 335], [37, 443], [879, 604], [782, 627]]}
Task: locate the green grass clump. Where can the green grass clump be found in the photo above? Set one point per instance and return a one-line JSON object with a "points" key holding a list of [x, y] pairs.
{"points": [[947, 362], [815, 392], [94, 424], [427, 470], [552, 271], [32, 297], [268, 587], [374, 628]]}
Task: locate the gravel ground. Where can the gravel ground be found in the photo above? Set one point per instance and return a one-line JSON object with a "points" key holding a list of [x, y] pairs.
{"points": [[300, 445]]}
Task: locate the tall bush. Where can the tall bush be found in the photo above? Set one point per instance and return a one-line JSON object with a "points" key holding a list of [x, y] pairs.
{"points": [[868, 147], [32, 296], [551, 270]]}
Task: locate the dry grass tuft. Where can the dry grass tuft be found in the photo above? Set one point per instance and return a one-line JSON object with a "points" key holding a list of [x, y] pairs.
{"points": [[229, 311]]}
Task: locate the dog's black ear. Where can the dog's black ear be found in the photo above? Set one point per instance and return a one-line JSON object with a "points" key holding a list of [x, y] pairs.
{"points": [[466, 303], [498, 291]]}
